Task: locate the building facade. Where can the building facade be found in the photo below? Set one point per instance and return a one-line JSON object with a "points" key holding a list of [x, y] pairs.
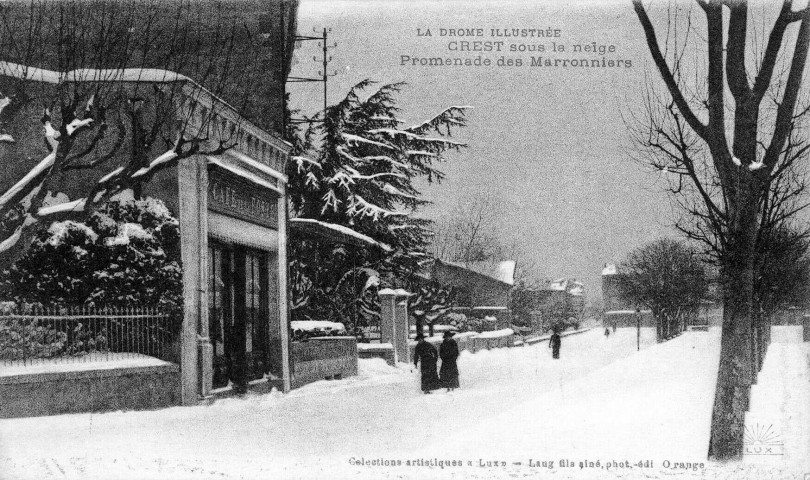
{"points": [[233, 227]]}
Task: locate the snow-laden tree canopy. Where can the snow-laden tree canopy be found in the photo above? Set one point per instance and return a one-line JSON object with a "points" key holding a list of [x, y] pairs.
{"points": [[357, 166], [123, 254]]}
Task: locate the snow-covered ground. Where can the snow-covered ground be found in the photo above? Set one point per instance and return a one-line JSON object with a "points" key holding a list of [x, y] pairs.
{"points": [[602, 401]]}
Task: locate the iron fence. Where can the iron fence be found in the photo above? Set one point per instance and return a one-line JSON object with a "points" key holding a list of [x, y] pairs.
{"points": [[63, 335]]}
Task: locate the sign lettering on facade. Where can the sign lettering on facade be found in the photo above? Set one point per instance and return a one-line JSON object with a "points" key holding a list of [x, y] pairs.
{"points": [[232, 196]]}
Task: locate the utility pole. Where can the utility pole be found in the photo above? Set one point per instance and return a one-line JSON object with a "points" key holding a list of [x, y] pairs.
{"points": [[323, 74]]}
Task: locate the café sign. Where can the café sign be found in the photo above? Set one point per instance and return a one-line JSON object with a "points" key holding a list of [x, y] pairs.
{"points": [[232, 196]]}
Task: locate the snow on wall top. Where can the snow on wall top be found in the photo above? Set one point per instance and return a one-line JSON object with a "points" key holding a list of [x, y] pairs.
{"points": [[497, 333], [610, 269], [314, 325], [578, 289]]}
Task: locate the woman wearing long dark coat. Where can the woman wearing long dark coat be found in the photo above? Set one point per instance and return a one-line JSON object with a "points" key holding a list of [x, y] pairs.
{"points": [[425, 357], [448, 352]]}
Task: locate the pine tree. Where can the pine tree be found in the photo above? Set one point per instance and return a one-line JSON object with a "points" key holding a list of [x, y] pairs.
{"points": [[357, 167]]}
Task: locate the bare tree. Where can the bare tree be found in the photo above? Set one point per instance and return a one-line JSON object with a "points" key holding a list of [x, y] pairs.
{"points": [[668, 278], [470, 233], [118, 90], [734, 87]]}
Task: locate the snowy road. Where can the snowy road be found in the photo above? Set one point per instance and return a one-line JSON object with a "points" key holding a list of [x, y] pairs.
{"points": [[601, 400]]}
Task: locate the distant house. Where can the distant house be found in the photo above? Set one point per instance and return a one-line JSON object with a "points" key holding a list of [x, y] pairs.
{"points": [[611, 295], [481, 287], [560, 300]]}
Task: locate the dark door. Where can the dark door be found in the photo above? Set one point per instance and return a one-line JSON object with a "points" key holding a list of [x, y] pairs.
{"points": [[238, 314]]}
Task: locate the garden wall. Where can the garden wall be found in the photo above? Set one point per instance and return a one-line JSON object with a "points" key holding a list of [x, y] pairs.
{"points": [[322, 358], [470, 341], [134, 388]]}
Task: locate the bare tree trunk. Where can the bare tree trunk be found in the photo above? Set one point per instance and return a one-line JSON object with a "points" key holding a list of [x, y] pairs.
{"points": [[735, 374]]}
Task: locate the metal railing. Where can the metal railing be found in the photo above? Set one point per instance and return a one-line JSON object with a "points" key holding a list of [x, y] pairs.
{"points": [[62, 335]]}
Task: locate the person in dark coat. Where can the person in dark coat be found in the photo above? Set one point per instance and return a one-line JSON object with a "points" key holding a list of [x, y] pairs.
{"points": [[426, 354], [554, 344], [448, 352], [607, 331]]}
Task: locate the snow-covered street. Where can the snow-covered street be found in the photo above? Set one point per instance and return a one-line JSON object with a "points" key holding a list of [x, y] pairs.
{"points": [[601, 401]]}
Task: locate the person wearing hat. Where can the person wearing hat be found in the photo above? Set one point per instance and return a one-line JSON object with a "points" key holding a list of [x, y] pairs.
{"points": [[426, 355], [448, 352]]}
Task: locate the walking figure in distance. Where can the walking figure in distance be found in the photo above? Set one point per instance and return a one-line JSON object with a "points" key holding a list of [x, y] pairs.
{"points": [[607, 331], [425, 357], [554, 343], [448, 352]]}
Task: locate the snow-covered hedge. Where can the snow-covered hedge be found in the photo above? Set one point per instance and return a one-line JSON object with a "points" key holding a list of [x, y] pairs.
{"points": [[124, 254]]}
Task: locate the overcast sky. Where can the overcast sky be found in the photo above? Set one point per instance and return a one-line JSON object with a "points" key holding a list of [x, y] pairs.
{"points": [[550, 142]]}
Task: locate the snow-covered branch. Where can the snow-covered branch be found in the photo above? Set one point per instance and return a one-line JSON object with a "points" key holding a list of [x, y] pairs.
{"points": [[166, 157], [454, 115], [74, 206], [300, 160], [4, 102], [393, 132], [25, 182], [361, 207], [355, 139], [392, 190]]}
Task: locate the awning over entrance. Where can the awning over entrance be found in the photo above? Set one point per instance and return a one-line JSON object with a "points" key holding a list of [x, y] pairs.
{"points": [[329, 232]]}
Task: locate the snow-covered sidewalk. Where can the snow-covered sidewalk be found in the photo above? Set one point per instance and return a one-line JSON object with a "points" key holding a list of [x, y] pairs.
{"points": [[601, 401], [778, 421]]}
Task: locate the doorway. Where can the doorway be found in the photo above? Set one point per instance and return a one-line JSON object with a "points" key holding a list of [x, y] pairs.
{"points": [[238, 315]]}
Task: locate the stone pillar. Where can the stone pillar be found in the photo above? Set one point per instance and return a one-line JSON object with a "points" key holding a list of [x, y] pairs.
{"points": [[388, 300], [401, 327], [283, 303], [394, 325], [195, 349], [806, 327]]}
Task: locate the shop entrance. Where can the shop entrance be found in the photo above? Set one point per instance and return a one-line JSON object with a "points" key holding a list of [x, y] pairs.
{"points": [[238, 314]]}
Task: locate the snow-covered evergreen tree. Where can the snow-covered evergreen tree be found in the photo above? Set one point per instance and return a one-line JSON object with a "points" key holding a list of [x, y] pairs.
{"points": [[357, 167]]}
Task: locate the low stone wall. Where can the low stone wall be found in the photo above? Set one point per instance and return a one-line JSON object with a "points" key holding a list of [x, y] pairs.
{"points": [[466, 341], [135, 388], [376, 350], [322, 358]]}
